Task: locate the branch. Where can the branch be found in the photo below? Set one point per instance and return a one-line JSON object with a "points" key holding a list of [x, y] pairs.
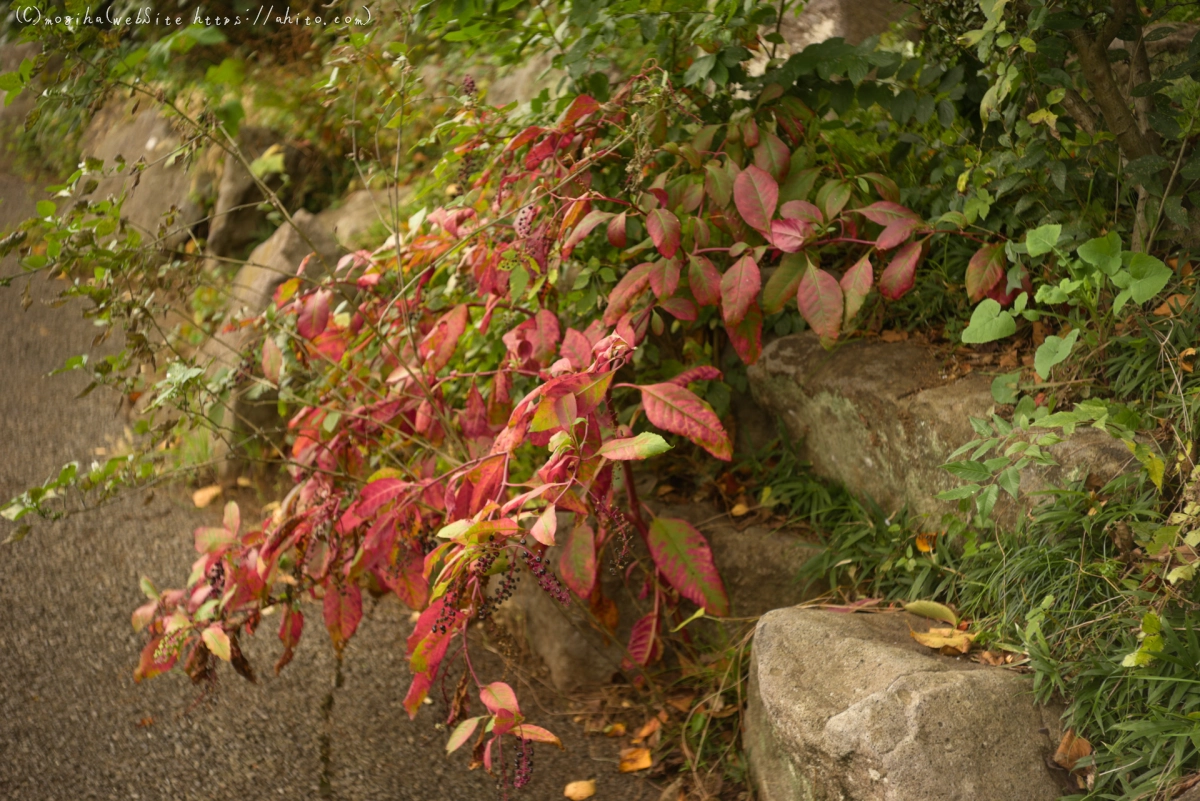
{"points": [[1081, 112]]}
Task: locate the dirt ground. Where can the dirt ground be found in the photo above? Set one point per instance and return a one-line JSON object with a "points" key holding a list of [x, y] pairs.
{"points": [[73, 725]]}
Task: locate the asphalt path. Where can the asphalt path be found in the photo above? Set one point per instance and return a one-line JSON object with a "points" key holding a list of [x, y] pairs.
{"points": [[74, 725]]}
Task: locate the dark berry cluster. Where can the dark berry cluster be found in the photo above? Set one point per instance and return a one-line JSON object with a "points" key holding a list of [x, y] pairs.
{"points": [[466, 168], [468, 86], [508, 586], [621, 553], [546, 580], [216, 578], [523, 764], [449, 612]]}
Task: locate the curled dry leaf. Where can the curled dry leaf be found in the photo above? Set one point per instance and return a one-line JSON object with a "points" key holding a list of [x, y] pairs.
{"points": [[1071, 749], [203, 497], [648, 728], [949, 641], [634, 759], [578, 791], [614, 730]]}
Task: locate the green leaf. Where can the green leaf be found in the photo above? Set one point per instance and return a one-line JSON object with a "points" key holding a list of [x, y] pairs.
{"points": [[986, 501], [1149, 276], [988, 323], [1103, 253], [45, 208], [217, 641], [699, 70], [1005, 387], [932, 610], [958, 493], [643, 446], [968, 470], [1043, 240], [1010, 480], [1053, 351]]}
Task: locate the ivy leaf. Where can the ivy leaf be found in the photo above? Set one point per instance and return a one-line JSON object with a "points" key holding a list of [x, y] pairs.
{"points": [[899, 275], [705, 280], [683, 556], [343, 611], [819, 297], [643, 446], [664, 230], [680, 411], [1053, 351], [783, 283], [756, 194], [739, 289], [1103, 253], [856, 285], [985, 270], [1043, 240], [988, 323], [1149, 276]]}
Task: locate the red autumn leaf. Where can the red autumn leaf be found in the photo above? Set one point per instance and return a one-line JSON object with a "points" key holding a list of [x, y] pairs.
{"points": [[272, 360], [678, 410], [535, 734], [802, 210], [343, 611], [643, 639], [896, 232], [378, 494], [739, 289], [664, 277], [616, 231], [576, 349], [820, 300], [499, 697], [585, 227], [781, 286], [406, 577], [899, 275], [772, 157], [290, 629], [705, 280], [148, 666], [546, 525], [885, 213], [663, 227], [682, 555], [580, 107], [985, 270], [626, 292], [314, 315], [680, 309], [705, 372], [750, 133], [789, 235], [756, 194], [856, 285], [438, 346], [525, 137], [577, 564], [746, 336], [885, 186]]}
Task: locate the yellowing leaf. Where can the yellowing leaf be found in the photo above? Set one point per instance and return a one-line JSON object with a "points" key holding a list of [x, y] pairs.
{"points": [[932, 610], [578, 791], [634, 759], [203, 497], [949, 641]]}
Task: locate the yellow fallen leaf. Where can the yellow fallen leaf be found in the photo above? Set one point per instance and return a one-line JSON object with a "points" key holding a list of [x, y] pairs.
{"points": [[203, 497], [244, 481], [634, 759], [949, 641], [739, 509], [614, 730], [649, 727], [932, 610], [577, 791], [1071, 749]]}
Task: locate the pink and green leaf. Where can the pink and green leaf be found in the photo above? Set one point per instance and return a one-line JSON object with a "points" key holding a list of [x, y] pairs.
{"points": [[643, 446], [900, 274], [985, 270], [680, 411], [577, 564], [740, 286], [819, 297], [685, 559], [664, 229], [756, 194], [704, 280], [856, 285]]}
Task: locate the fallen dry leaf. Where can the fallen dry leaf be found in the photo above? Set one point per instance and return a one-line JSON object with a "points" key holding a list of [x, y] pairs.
{"points": [[203, 497], [682, 702], [649, 727], [1071, 749], [614, 730], [1187, 358], [244, 481], [1039, 333], [994, 658], [577, 791], [634, 759], [893, 336], [739, 509], [1172, 306], [950, 642]]}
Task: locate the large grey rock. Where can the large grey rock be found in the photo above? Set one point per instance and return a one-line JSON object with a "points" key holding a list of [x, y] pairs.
{"points": [[850, 708], [852, 20], [353, 219], [169, 186], [881, 419], [758, 565], [237, 221]]}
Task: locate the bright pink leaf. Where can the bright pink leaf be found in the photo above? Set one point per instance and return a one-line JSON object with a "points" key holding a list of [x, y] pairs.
{"points": [[985, 270], [499, 697], [525, 137], [885, 213], [577, 565], [705, 280], [900, 274], [626, 292], [789, 235], [856, 285], [616, 231], [664, 229], [643, 639], [678, 410], [314, 315], [664, 277], [756, 194], [739, 289], [896, 232], [343, 611], [682, 555], [820, 300], [772, 157]]}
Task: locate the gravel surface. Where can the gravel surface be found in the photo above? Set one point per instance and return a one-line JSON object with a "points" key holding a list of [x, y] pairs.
{"points": [[74, 725]]}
